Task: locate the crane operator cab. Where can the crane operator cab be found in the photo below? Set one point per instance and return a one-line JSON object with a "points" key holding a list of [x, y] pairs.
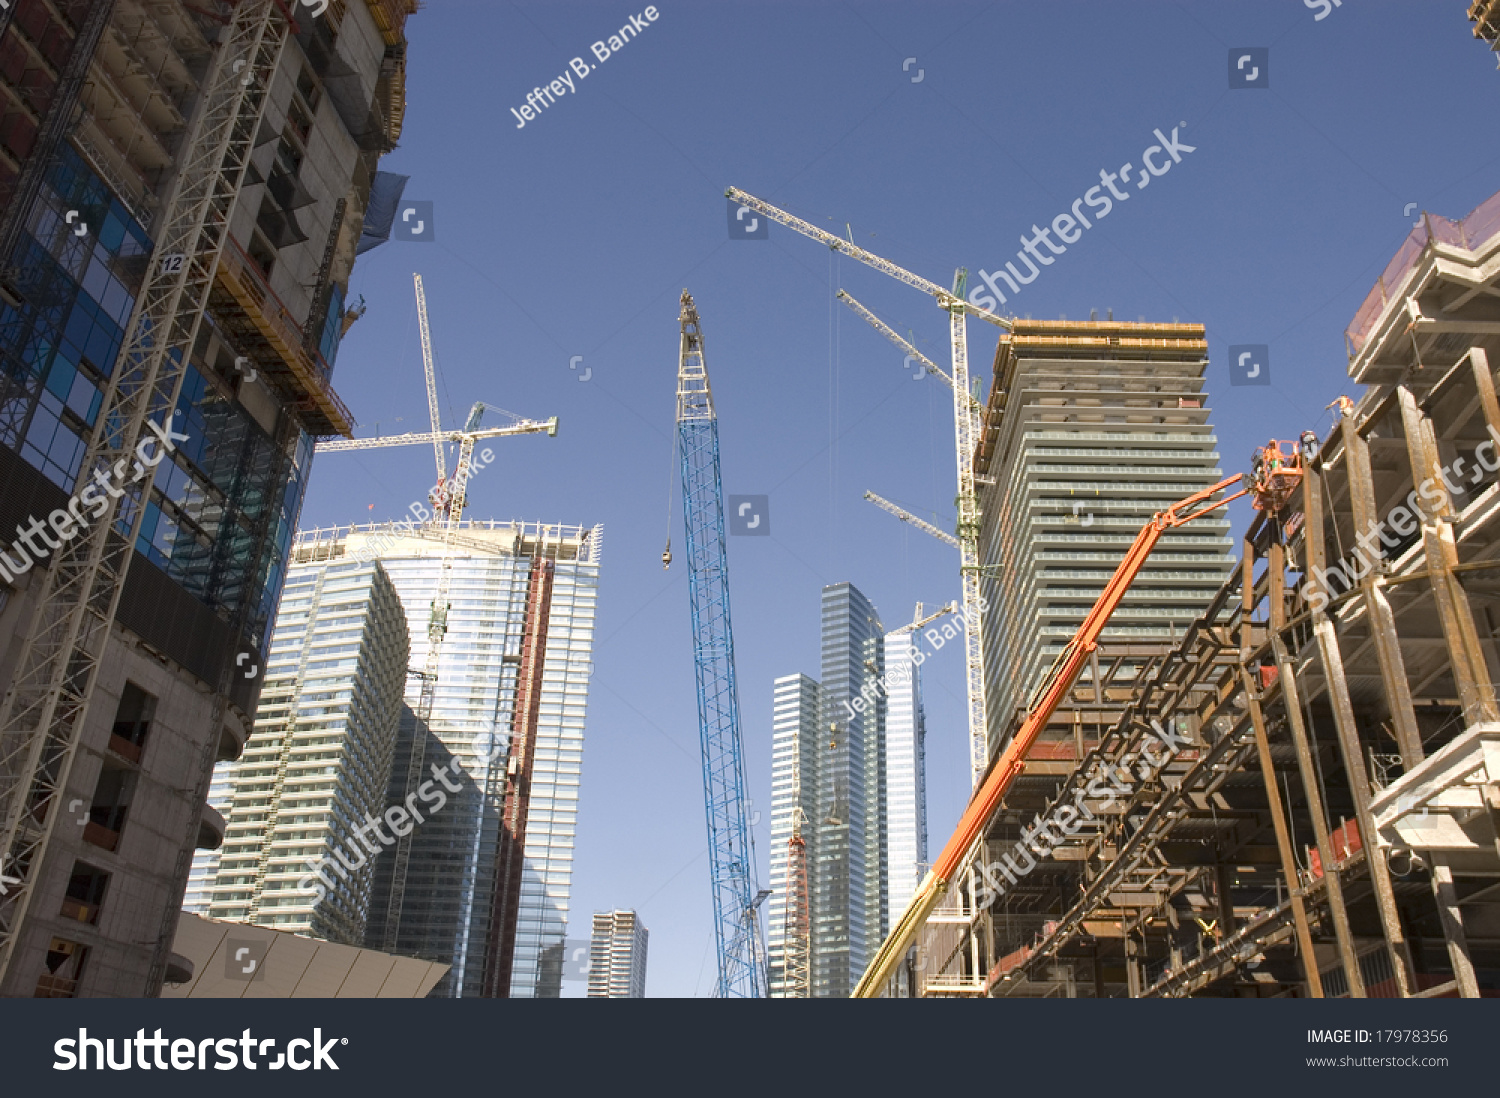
{"points": [[1276, 474]]}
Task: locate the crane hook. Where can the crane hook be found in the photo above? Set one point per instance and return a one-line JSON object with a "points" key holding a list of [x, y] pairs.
{"points": [[666, 555]]}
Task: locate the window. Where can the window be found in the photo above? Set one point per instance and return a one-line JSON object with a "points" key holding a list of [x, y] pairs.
{"points": [[85, 895], [111, 804], [262, 255], [64, 969], [133, 719]]}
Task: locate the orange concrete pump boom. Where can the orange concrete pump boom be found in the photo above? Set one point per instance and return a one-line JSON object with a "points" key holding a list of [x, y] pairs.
{"points": [[1277, 471]]}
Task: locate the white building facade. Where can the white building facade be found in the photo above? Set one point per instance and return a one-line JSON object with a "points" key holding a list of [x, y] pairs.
{"points": [[905, 770], [315, 769], [617, 956]]}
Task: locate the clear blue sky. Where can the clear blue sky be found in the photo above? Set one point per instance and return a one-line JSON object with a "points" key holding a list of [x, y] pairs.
{"points": [[575, 236]]}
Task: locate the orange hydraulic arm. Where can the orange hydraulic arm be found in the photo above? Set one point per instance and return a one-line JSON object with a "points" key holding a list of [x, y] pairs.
{"points": [[1270, 486]]}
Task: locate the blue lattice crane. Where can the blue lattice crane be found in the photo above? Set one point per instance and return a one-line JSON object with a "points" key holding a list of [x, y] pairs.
{"points": [[730, 846]]}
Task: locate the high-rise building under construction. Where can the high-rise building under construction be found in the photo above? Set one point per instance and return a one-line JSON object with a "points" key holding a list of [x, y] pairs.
{"points": [[1104, 423], [183, 188], [483, 883]]}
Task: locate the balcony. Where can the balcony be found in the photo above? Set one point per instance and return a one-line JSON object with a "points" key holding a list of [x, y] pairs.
{"points": [[179, 969], [210, 829], [232, 737]]}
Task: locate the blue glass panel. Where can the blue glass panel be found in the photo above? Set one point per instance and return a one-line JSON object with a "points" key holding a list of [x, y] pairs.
{"points": [[60, 378], [103, 348], [112, 232]]}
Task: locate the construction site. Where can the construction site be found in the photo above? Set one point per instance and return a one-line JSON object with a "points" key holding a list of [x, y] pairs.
{"points": [[1318, 816], [1231, 730], [1290, 790]]}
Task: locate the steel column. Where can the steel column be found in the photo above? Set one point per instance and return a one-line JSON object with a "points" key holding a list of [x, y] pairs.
{"points": [[1349, 745], [1382, 619], [1453, 927], [1295, 890], [1470, 673], [1292, 706]]}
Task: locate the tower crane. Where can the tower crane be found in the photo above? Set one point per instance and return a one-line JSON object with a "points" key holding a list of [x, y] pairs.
{"points": [[448, 498], [428, 371], [976, 410], [906, 516], [730, 845], [448, 495], [965, 432], [1271, 485], [796, 936], [919, 621]]}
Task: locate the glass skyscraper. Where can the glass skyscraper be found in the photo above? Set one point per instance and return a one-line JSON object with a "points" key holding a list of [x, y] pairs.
{"points": [[487, 884], [905, 770], [854, 748]]}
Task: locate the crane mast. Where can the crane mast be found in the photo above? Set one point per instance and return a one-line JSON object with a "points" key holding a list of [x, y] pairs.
{"points": [[796, 938], [429, 373], [730, 849]]}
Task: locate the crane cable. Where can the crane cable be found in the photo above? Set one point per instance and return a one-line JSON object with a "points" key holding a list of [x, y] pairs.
{"points": [[666, 554]]}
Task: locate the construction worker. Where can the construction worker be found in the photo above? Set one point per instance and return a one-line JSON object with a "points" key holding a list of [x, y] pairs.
{"points": [[1309, 445], [1344, 405], [1258, 465]]}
